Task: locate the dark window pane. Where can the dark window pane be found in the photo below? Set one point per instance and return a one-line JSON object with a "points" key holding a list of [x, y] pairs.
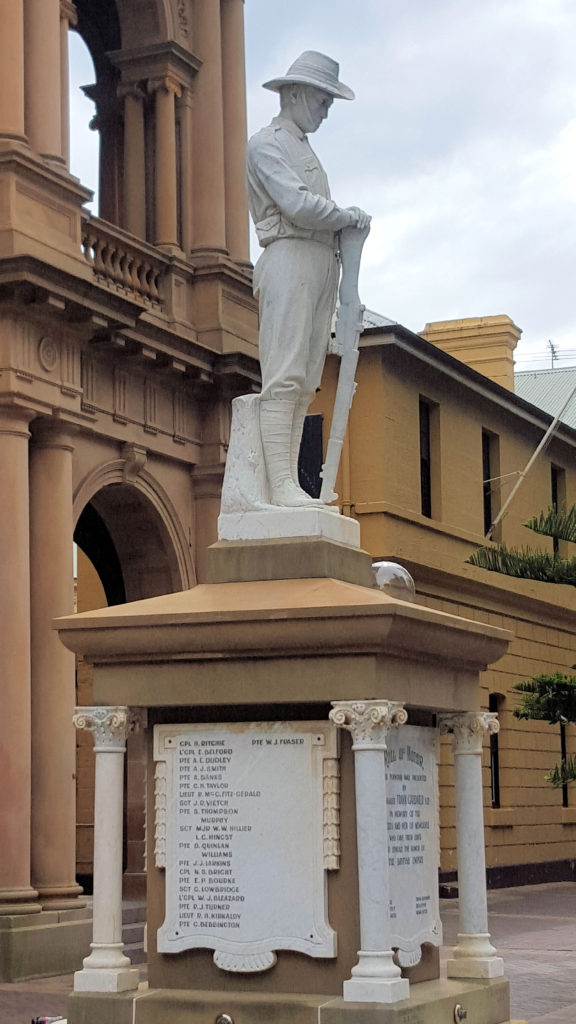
{"points": [[310, 459], [425, 462]]}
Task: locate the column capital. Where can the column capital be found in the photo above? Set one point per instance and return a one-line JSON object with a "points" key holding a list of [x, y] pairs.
{"points": [[134, 90], [467, 729], [68, 12], [15, 420], [53, 433], [110, 725], [165, 83], [368, 721]]}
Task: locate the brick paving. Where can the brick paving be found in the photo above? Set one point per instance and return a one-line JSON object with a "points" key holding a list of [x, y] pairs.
{"points": [[533, 927], [21, 1001]]}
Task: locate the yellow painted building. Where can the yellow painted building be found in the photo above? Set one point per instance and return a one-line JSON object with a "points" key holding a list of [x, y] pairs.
{"points": [[426, 429]]}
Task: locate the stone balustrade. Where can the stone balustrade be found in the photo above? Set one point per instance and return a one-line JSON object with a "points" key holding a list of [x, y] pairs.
{"points": [[122, 264]]}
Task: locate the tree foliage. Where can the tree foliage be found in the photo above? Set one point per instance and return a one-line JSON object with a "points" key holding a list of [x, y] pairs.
{"points": [[552, 699], [548, 698], [535, 565]]}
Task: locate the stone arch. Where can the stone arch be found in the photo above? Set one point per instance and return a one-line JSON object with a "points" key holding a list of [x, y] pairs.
{"points": [[145, 21], [144, 529], [108, 25], [129, 529]]}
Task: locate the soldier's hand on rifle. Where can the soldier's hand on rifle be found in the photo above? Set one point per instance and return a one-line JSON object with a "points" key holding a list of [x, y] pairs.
{"points": [[362, 218]]}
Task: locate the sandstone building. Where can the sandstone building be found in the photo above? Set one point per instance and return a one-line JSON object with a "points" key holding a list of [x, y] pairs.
{"points": [[434, 417], [123, 338]]}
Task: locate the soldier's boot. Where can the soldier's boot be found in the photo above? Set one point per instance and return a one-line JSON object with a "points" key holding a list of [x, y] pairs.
{"points": [[279, 426]]}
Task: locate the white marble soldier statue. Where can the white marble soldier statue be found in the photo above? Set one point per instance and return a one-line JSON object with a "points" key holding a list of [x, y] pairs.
{"points": [[296, 277]]}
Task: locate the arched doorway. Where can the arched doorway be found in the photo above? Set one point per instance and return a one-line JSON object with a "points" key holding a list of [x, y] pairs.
{"points": [[125, 552]]}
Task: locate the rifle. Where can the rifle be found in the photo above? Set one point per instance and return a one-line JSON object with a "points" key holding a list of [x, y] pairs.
{"points": [[348, 330]]}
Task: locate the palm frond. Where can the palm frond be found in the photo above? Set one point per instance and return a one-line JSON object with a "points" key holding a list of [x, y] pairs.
{"points": [[525, 564], [559, 523]]}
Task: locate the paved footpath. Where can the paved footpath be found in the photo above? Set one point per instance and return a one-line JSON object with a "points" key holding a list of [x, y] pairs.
{"points": [[533, 927]]}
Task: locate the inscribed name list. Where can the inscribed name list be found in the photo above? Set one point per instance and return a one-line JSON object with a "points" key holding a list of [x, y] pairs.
{"points": [[413, 839], [244, 839]]}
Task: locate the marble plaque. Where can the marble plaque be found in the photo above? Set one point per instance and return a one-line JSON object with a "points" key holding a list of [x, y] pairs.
{"points": [[247, 823], [413, 839]]}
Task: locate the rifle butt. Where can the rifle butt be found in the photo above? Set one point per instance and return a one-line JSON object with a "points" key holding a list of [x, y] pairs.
{"points": [[330, 469]]}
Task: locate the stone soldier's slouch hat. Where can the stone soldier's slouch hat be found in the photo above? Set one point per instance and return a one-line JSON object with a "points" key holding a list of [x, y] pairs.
{"points": [[313, 68]]}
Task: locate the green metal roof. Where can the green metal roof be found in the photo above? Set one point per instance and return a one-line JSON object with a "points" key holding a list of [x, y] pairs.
{"points": [[549, 390]]}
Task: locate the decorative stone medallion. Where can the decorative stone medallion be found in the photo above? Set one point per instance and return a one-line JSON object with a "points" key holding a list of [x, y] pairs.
{"points": [[48, 353]]}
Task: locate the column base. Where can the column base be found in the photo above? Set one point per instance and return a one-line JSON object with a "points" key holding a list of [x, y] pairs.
{"points": [[61, 897], [375, 990], [475, 967], [376, 979], [124, 979], [474, 956], [19, 901], [171, 249]]}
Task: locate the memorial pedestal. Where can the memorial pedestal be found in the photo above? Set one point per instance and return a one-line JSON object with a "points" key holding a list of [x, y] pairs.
{"points": [[266, 658], [272, 523]]}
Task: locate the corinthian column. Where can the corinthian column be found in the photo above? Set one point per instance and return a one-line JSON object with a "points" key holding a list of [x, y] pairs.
{"points": [[12, 71], [43, 77], [234, 110], [107, 969], [165, 178], [474, 955], [53, 668], [375, 978], [16, 893]]}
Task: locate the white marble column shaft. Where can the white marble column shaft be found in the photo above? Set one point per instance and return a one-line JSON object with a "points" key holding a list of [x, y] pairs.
{"points": [[474, 956], [107, 969], [375, 978]]}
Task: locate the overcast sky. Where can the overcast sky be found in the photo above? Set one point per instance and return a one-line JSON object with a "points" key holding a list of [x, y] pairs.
{"points": [[461, 143]]}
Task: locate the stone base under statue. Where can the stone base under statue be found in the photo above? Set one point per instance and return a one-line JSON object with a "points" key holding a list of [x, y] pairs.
{"points": [[289, 522], [431, 1002], [288, 558]]}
